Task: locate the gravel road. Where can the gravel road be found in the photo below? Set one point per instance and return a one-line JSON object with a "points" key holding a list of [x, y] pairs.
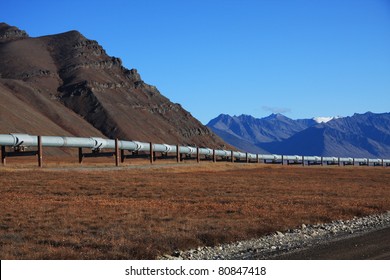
{"points": [[374, 245], [358, 238]]}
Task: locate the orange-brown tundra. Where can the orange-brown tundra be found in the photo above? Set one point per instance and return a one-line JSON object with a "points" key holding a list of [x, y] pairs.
{"points": [[140, 212]]}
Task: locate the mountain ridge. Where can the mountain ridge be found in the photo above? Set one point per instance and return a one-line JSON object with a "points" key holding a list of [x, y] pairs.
{"points": [[360, 135], [66, 84]]}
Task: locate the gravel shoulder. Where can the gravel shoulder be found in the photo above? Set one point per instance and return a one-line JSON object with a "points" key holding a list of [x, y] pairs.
{"points": [[374, 245], [358, 238]]}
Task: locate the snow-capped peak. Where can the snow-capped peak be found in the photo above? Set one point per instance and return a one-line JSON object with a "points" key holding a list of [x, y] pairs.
{"points": [[324, 119]]}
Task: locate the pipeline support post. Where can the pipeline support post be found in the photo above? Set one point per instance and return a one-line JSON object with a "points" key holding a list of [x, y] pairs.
{"points": [[117, 155], [151, 152], [122, 156], [177, 154], [81, 156], [197, 155], [3, 155], [214, 156], [303, 160], [40, 153], [246, 158], [232, 156]]}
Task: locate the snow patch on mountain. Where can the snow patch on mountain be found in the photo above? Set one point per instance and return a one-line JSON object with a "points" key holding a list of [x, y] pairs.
{"points": [[324, 119]]}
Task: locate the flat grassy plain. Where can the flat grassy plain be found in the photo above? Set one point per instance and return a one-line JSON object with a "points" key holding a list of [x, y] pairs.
{"points": [[140, 212]]}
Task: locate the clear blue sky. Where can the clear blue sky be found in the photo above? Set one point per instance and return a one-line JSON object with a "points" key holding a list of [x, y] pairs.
{"points": [[303, 58]]}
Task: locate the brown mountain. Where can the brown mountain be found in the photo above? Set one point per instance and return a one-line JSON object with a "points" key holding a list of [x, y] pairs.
{"points": [[66, 84]]}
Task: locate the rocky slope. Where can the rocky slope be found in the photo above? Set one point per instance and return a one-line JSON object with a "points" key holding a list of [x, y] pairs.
{"points": [[66, 84]]}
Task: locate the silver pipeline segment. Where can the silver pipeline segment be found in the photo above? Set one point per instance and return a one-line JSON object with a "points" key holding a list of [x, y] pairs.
{"points": [[376, 161], [16, 140], [134, 146], [314, 159], [187, 150], [331, 160], [362, 161], [206, 151], [223, 153], [96, 143], [346, 160], [273, 158], [294, 158]]}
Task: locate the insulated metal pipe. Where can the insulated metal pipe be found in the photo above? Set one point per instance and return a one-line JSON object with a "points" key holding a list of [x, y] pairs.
{"points": [[274, 158], [349, 161], [296, 158], [332, 160], [375, 161], [313, 159], [361, 160], [97, 143]]}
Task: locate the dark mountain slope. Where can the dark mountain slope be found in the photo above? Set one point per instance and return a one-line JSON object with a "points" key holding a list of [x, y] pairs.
{"points": [[272, 128], [247, 133], [74, 86], [362, 135]]}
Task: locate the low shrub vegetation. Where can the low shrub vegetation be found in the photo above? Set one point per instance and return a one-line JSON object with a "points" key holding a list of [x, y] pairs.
{"points": [[142, 212]]}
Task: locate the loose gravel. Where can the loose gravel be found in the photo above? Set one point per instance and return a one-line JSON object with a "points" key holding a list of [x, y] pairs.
{"points": [[279, 243]]}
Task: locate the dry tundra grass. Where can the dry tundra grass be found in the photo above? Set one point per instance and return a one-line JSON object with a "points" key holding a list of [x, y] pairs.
{"points": [[142, 212]]}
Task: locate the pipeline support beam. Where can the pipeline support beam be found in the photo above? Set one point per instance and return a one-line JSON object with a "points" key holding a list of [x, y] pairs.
{"points": [[81, 155], [117, 155], [151, 153], [177, 153], [40, 152], [122, 156], [3, 155]]}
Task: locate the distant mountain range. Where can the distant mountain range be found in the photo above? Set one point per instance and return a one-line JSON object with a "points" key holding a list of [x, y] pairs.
{"points": [[66, 84], [361, 135]]}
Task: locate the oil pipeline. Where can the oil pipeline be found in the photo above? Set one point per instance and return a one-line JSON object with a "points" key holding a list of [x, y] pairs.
{"points": [[18, 144]]}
